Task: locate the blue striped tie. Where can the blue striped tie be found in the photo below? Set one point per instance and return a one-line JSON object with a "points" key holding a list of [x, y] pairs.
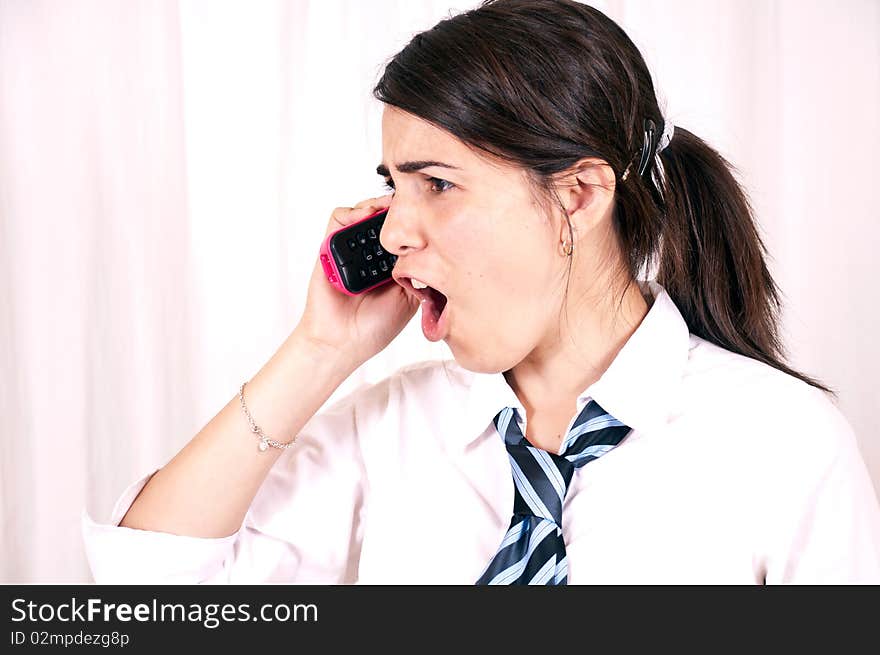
{"points": [[533, 550]]}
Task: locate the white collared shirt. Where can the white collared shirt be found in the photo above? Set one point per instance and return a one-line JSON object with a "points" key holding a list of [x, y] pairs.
{"points": [[734, 472]]}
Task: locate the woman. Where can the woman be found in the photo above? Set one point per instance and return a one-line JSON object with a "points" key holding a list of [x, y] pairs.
{"points": [[593, 426]]}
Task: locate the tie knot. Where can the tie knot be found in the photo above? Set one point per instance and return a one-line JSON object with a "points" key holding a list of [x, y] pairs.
{"points": [[541, 479], [593, 433]]}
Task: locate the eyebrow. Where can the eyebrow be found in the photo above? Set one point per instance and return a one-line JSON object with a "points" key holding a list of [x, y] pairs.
{"points": [[412, 167]]}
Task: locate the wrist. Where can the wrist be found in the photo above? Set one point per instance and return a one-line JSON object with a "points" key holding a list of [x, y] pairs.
{"points": [[324, 353]]}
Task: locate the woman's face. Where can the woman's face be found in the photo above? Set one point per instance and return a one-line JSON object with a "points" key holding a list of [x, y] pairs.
{"points": [[471, 229]]}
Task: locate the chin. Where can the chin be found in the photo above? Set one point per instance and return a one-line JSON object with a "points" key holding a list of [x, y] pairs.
{"points": [[482, 361]]}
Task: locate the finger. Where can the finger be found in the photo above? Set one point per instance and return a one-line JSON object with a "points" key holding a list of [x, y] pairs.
{"points": [[378, 203], [342, 216]]}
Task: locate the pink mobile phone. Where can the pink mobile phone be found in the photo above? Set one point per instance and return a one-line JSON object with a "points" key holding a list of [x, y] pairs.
{"points": [[353, 259]]}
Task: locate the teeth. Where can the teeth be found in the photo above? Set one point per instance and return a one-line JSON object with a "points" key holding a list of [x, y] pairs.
{"points": [[418, 284]]}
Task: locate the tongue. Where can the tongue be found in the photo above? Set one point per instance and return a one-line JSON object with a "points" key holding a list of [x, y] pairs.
{"points": [[432, 309]]}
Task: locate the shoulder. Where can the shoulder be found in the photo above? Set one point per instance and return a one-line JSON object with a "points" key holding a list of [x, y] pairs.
{"points": [[361, 407], [748, 401], [431, 372], [424, 378], [437, 381], [782, 446]]}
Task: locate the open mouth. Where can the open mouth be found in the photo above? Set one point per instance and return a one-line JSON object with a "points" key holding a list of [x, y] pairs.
{"points": [[434, 314], [435, 300]]}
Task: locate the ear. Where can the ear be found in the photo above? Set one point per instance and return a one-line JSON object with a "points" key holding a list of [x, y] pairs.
{"points": [[586, 190]]}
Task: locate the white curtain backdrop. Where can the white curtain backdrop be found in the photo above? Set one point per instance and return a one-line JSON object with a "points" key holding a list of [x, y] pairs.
{"points": [[167, 169]]}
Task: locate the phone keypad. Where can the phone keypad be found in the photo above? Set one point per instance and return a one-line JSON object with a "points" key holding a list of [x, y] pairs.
{"points": [[364, 262]]}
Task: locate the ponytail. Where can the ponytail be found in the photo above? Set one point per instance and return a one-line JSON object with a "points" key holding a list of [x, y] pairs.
{"points": [[712, 259]]}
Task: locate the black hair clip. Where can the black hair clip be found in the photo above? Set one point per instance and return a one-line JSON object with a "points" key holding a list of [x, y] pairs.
{"points": [[647, 145]]}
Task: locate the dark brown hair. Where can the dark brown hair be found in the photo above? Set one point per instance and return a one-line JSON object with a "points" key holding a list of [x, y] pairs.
{"points": [[542, 84]]}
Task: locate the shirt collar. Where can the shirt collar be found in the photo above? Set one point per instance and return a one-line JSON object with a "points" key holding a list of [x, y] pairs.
{"points": [[639, 388]]}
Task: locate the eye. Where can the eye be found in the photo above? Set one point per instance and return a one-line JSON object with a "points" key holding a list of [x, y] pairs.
{"points": [[438, 185]]}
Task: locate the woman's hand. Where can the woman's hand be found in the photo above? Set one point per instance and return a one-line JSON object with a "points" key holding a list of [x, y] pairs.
{"points": [[356, 327]]}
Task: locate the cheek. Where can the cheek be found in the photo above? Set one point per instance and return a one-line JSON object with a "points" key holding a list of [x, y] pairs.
{"points": [[508, 289], [505, 268], [505, 297], [501, 320]]}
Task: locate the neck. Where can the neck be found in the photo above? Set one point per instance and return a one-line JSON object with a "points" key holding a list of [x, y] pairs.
{"points": [[574, 356]]}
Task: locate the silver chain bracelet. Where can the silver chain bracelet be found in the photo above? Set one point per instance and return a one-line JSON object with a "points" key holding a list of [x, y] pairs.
{"points": [[265, 441]]}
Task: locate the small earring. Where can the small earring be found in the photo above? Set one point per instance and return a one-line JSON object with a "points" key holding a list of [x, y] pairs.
{"points": [[566, 247]]}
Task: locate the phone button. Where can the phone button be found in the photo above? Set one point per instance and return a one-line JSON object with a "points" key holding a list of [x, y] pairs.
{"points": [[333, 278]]}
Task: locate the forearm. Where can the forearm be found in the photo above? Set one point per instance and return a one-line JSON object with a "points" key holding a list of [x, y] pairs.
{"points": [[206, 489]]}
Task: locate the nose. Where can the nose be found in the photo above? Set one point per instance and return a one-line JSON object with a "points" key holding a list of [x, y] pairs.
{"points": [[401, 232]]}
